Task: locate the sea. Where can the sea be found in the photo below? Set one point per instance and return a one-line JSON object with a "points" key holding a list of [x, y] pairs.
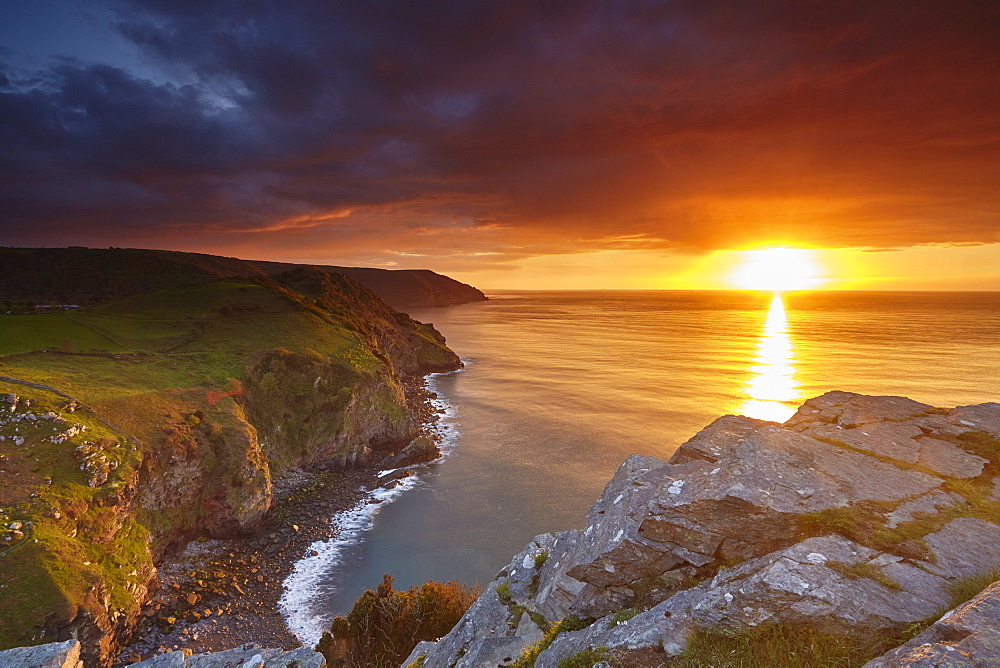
{"points": [[559, 387]]}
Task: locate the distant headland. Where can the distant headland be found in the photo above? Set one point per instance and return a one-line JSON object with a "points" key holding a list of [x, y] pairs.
{"points": [[77, 275]]}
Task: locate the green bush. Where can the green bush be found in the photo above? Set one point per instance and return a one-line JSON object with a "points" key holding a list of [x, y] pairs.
{"points": [[385, 625]]}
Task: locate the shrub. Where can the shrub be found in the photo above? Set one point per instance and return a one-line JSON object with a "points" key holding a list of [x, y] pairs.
{"points": [[385, 625]]}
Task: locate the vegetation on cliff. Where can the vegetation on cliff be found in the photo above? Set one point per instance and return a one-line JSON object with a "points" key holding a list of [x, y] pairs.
{"points": [[385, 625], [84, 276], [171, 412]]}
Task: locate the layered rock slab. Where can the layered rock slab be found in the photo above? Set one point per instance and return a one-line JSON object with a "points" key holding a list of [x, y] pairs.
{"points": [[245, 656], [824, 583], [52, 655], [801, 509], [969, 636]]}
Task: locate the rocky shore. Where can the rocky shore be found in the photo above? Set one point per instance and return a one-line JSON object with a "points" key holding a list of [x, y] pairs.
{"points": [[218, 594], [222, 593]]}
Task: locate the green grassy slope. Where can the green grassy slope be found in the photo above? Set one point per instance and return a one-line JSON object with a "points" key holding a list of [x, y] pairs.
{"points": [[193, 397], [93, 275]]}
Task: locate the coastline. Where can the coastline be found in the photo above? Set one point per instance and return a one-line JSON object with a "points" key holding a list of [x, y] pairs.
{"points": [[221, 593]]}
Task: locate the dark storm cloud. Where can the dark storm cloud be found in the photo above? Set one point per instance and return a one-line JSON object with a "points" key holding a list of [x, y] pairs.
{"points": [[553, 126]]}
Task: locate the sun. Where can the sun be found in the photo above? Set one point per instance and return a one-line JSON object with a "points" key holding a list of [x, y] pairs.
{"points": [[777, 269]]}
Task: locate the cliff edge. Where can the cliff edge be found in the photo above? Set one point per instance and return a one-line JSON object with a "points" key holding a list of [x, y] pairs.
{"points": [[861, 518], [132, 427], [80, 276]]}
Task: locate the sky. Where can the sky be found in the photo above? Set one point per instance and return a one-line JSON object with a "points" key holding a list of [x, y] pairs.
{"points": [[564, 144]]}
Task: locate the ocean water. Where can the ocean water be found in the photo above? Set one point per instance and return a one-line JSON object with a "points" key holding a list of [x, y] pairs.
{"points": [[559, 387]]}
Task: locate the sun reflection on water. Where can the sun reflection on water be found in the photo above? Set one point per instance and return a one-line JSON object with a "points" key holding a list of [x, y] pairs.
{"points": [[771, 390]]}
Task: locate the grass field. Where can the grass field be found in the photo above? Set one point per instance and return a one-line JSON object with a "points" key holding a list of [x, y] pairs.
{"points": [[56, 331]]}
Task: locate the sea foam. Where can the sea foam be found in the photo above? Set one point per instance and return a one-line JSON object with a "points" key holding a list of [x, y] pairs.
{"points": [[304, 588]]}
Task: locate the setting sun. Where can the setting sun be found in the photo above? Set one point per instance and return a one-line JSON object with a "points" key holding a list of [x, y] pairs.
{"points": [[777, 269]]}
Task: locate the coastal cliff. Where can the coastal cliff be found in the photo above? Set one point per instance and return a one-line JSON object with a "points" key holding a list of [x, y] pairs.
{"points": [[173, 424], [862, 519], [83, 276]]}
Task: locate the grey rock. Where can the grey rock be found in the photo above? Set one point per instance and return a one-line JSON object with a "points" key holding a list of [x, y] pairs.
{"points": [[980, 417], [168, 660], [717, 439], [948, 459], [964, 547], [246, 656], [803, 585], [486, 618], [753, 497], [527, 630], [492, 652], [926, 503], [661, 532], [556, 591], [611, 551], [422, 648], [969, 635], [52, 655], [848, 409], [936, 656], [903, 441], [302, 657]]}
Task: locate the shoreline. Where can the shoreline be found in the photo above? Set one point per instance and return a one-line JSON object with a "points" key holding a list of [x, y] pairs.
{"points": [[222, 593]]}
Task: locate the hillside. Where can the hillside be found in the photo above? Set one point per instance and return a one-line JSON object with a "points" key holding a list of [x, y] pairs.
{"points": [[130, 427], [93, 275]]}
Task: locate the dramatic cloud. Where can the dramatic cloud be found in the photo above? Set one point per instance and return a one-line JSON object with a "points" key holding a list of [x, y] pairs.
{"points": [[501, 130]]}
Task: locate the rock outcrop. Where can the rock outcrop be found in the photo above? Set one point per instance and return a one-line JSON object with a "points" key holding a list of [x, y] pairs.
{"points": [[969, 636], [53, 655], [859, 515], [67, 655]]}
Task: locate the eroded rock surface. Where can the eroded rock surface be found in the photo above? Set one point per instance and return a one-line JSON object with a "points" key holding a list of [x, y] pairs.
{"points": [[858, 515], [969, 635], [53, 655], [245, 656]]}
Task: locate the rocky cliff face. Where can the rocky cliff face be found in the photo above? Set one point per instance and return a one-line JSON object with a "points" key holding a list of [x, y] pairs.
{"points": [[859, 515], [158, 451]]}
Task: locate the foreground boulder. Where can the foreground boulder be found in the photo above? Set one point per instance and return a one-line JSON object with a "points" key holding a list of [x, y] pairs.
{"points": [[245, 656], [859, 515], [969, 635], [53, 655], [67, 655]]}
